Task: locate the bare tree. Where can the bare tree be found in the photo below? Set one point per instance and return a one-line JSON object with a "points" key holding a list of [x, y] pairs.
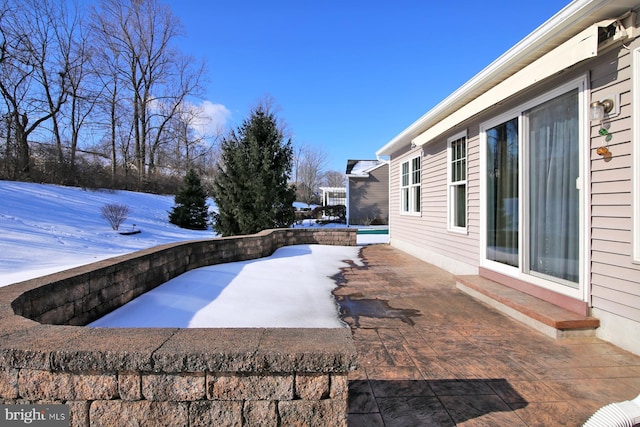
{"points": [[309, 172], [334, 179], [33, 70], [141, 33], [84, 89], [52, 38], [172, 103], [191, 146], [107, 62]]}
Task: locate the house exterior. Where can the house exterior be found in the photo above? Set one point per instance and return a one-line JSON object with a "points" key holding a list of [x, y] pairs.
{"points": [[513, 178], [367, 192]]}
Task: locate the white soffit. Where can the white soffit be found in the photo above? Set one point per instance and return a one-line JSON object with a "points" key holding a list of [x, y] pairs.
{"points": [[577, 49]]}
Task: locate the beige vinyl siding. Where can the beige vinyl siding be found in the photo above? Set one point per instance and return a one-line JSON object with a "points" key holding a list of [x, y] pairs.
{"points": [[473, 190], [373, 202], [429, 230], [615, 285]]}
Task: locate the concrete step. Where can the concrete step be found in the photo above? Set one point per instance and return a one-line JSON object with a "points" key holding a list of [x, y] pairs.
{"points": [[543, 316]]}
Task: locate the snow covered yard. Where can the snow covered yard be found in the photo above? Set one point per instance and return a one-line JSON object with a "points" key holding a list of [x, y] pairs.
{"points": [[48, 228]]}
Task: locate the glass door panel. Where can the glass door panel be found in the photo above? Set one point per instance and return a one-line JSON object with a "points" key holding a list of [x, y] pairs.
{"points": [[502, 193], [554, 167]]}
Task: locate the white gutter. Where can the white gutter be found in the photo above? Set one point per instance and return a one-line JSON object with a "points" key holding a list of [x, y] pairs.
{"points": [[581, 47], [562, 26]]}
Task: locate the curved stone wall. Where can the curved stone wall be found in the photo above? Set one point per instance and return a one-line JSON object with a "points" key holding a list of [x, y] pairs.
{"points": [[169, 376]]}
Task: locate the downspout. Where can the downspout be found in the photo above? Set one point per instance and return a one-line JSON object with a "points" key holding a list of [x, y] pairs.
{"points": [[388, 162], [389, 202]]}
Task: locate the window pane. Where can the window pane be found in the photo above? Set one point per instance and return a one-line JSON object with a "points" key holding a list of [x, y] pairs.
{"points": [[405, 199], [554, 200], [459, 167], [405, 174], [416, 171], [416, 199], [502, 193], [460, 204], [458, 160]]}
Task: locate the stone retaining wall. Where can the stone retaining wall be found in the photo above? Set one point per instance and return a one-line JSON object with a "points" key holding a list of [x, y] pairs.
{"points": [[169, 376]]}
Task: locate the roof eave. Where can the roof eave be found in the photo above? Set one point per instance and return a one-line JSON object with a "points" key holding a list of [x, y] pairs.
{"points": [[563, 25]]}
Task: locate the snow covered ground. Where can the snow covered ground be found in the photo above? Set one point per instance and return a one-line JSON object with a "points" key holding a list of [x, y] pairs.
{"points": [[50, 228], [47, 228], [291, 288]]}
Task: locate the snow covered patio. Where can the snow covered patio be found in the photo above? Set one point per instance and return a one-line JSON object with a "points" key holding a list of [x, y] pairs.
{"points": [[430, 355], [291, 288]]}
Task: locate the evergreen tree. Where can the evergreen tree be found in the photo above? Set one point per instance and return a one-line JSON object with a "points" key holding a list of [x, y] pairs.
{"points": [[191, 210], [251, 188]]}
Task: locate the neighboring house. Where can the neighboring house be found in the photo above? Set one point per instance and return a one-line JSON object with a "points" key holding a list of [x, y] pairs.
{"points": [[512, 177], [367, 192], [332, 196]]}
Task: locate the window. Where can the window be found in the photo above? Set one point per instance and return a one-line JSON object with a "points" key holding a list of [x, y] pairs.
{"points": [[410, 186], [531, 200], [457, 156]]}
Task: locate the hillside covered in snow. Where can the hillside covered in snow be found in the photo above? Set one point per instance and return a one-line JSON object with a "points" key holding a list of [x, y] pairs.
{"points": [[49, 228]]}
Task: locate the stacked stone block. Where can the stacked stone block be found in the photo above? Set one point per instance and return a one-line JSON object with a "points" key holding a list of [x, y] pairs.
{"points": [[162, 376]]}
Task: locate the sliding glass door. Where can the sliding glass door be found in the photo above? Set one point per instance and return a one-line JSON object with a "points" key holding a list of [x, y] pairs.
{"points": [[532, 203]]}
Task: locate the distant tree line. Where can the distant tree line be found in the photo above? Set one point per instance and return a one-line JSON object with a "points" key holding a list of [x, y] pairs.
{"points": [[100, 97], [99, 94]]}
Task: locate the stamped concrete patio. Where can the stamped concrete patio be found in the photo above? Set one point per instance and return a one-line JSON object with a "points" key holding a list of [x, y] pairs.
{"points": [[430, 355]]}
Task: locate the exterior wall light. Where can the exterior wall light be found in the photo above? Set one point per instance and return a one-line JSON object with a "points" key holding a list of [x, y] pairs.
{"points": [[599, 109]]}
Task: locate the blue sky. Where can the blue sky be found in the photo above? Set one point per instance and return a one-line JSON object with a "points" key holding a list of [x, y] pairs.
{"points": [[348, 75]]}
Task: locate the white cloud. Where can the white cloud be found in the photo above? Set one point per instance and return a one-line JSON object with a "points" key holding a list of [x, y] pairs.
{"points": [[210, 119]]}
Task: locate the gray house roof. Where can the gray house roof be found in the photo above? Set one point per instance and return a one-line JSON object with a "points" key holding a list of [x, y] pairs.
{"points": [[361, 168]]}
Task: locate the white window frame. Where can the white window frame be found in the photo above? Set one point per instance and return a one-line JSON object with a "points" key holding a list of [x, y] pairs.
{"points": [[412, 187], [583, 290], [452, 185]]}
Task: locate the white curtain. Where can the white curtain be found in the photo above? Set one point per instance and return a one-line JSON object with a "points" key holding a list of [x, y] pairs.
{"points": [[553, 197]]}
